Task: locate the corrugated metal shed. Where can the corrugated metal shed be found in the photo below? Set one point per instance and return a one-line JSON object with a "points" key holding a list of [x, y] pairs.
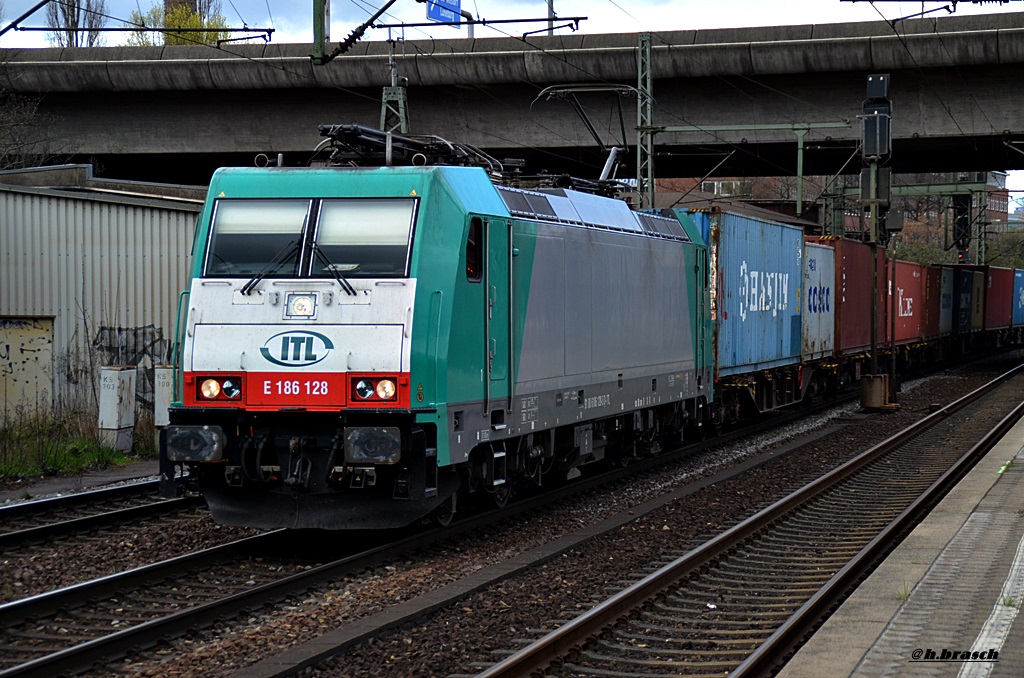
{"points": [[106, 266]]}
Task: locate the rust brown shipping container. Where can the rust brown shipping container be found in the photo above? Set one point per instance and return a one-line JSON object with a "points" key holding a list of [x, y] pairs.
{"points": [[853, 294], [907, 298]]}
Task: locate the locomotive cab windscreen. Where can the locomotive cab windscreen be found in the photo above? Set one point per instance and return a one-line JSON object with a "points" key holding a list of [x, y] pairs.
{"points": [[286, 238]]}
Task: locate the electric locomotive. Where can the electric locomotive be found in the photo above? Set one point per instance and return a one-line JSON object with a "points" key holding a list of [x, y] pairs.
{"points": [[366, 346]]}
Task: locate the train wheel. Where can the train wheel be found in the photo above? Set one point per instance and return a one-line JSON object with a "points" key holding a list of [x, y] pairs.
{"points": [[444, 513], [501, 495]]}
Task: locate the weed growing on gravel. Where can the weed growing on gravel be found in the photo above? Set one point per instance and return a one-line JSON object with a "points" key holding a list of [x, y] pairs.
{"points": [[1010, 601], [34, 445]]}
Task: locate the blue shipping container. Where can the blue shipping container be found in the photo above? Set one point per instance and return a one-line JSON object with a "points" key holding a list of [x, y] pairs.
{"points": [[963, 295], [756, 273], [946, 303], [1018, 297]]}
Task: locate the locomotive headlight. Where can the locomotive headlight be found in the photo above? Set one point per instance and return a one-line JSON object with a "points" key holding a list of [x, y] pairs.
{"points": [[300, 305], [385, 389], [231, 388], [210, 388], [364, 389]]}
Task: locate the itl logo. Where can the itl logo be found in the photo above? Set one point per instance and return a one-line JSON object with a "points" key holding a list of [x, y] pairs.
{"points": [[297, 349]]}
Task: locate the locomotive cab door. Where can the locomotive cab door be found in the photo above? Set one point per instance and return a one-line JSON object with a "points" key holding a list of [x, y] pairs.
{"points": [[498, 320]]}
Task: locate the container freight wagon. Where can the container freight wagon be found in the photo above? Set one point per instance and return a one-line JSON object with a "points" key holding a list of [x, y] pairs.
{"points": [[756, 272]]}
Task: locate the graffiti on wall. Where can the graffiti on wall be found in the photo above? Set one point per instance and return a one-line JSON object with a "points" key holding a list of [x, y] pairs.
{"points": [[143, 347], [35, 376]]}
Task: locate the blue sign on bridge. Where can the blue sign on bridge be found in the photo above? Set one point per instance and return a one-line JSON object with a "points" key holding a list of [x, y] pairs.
{"points": [[444, 10]]}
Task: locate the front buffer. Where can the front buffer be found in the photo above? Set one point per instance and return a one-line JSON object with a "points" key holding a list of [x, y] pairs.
{"points": [[310, 470]]}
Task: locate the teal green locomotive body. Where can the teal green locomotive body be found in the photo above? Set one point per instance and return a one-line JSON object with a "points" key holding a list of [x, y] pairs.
{"points": [[367, 347]]}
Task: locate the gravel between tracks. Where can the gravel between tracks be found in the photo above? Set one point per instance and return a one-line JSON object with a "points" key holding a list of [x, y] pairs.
{"points": [[101, 552], [454, 638]]}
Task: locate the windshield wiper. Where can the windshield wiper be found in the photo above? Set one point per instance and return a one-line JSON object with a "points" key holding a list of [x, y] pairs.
{"points": [[333, 270], [281, 256]]}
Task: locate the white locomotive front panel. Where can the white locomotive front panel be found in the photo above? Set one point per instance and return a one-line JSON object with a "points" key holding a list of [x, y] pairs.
{"points": [[309, 345], [301, 344]]}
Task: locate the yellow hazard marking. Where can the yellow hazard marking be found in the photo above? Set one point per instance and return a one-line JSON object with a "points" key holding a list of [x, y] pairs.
{"points": [[412, 192], [222, 195]]}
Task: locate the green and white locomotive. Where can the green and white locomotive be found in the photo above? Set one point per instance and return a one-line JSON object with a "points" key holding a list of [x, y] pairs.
{"points": [[368, 346]]}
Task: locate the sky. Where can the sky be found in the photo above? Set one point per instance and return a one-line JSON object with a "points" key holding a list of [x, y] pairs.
{"points": [[292, 19]]}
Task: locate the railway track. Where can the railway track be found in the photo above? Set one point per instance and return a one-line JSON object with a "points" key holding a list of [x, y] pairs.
{"points": [[69, 629], [33, 521], [742, 601]]}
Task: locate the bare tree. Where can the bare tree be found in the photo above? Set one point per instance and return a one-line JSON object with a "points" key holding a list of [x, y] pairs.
{"points": [[73, 22], [26, 135]]}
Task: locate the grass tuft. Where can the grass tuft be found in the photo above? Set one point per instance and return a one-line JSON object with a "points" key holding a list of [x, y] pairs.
{"points": [[35, 445]]}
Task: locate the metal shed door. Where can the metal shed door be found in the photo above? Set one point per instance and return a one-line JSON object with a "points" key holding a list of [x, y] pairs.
{"points": [[26, 365]]}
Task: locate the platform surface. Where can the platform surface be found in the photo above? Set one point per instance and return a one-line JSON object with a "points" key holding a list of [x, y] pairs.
{"points": [[946, 602]]}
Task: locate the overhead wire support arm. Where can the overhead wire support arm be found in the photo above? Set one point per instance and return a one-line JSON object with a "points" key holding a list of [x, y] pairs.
{"points": [[950, 8], [355, 36], [1009, 145], [569, 92], [800, 129], [574, 22], [14, 24], [131, 28]]}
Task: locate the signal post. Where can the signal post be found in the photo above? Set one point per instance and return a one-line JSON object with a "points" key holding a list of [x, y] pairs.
{"points": [[876, 143]]}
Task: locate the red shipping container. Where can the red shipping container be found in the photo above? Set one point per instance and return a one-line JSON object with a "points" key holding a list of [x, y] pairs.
{"points": [[907, 298], [853, 294]]}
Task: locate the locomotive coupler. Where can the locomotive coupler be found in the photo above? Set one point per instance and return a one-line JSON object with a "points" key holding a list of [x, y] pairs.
{"points": [[297, 465]]}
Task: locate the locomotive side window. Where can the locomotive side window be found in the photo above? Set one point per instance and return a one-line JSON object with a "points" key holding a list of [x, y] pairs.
{"points": [[474, 251], [364, 237], [251, 237]]}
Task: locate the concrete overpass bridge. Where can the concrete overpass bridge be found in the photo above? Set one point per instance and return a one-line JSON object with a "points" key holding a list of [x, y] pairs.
{"points": [[175, 113]]}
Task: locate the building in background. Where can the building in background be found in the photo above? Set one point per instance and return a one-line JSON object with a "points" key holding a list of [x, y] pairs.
{"points": [[90, 275]]}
